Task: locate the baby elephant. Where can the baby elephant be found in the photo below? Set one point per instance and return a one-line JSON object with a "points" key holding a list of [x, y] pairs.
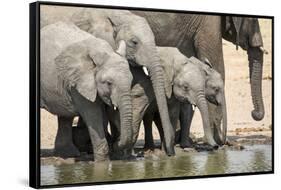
{"points": [[188, 80], [181, 111], [79, 73]]}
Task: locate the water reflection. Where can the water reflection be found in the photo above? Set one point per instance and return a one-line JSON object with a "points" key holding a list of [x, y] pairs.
{"points": [[217, 163], [252, 159]]}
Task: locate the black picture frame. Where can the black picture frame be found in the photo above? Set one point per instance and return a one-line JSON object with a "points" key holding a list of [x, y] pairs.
{"points": [[34, 98]]}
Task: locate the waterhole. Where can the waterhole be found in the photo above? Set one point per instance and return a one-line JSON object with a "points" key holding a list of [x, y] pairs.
{"points": [[253, 158]]}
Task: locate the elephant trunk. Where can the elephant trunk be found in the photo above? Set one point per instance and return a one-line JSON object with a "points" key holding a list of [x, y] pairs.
{"points": [[157, 77], [224, 120], [222, 134], [255, 57], [125, 109], [203, 108]]}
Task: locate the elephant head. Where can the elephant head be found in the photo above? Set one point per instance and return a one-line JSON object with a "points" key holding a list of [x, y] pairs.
{"points": [[193, 81], [94, 69], [245, 32], [141, 51]]}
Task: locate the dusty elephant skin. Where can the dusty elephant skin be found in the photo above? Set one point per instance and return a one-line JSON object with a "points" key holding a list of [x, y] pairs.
{"points": [[201, 36], [245, 32], [77, 79], [116, 25], [188, 81], [191, 81]]}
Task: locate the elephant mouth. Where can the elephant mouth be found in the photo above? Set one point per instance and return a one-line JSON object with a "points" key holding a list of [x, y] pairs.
{"points": [[132, 61], [184, 99], [107, 100], [212, 99]]}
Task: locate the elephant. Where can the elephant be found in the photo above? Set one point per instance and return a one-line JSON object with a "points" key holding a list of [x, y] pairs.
{"points": [[201, 36], [188, 80], [80, 74], [116, 25], [182, 110], [245, 33]]}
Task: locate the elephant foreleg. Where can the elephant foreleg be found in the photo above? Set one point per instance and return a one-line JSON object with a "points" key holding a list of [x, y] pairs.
{"points": [[158, 124], [208, 45], [186, 115], [64, 146], [81, 138], [92, 114], [148, 137]]}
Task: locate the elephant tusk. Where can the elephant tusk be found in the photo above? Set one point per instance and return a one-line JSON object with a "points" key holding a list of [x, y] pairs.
{"points": [[263, 50], [193, 107], [145, 71], [114, 107]]}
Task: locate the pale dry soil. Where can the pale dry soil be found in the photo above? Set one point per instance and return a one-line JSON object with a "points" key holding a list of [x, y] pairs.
{"points": [[238, 97]]}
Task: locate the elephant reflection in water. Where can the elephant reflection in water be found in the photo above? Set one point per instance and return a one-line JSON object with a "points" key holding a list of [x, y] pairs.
{"points": [[216, 163]]}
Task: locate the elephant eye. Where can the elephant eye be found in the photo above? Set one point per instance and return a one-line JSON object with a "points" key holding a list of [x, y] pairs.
{"points": [[216, 89], [107, 82], [134, 41], [186, 88]]}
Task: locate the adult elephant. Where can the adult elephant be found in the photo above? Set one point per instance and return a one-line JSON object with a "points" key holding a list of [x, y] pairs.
{"points": [[201, 36], [245, 32], [79, 73], [116, 25]]}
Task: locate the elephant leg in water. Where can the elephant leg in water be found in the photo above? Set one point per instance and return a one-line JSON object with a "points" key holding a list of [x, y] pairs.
{"points": [[81, 138], [186, 114], [174, 110], [148, 137], [92, 114]]}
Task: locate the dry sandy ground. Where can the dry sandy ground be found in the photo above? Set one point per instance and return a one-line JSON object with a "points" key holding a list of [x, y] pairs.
{"points": [[239, 104]]}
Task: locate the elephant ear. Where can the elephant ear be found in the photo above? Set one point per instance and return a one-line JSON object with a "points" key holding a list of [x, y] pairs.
{"points": [[205, 65], [121, 50], [237, 21], [76, 71]]}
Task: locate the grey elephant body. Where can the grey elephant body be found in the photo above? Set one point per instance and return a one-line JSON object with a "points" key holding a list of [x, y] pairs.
{"points": [[74, 68], [116, 25], [201, 36], [186, 81], [179, 105]]}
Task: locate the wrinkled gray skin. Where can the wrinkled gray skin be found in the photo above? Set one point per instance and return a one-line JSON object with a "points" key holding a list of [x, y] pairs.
{"points": [[245, 32], [78, 73], [188, 81], [116, 25], [191, 84], [214, 93], [201, 36]]}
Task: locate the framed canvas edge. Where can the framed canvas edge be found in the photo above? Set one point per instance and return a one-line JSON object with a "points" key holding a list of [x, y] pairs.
{"points": [[34, 94], [34, 90]]}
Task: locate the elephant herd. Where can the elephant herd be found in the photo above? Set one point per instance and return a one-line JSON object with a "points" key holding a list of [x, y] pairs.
{"points": [[122, 68]]}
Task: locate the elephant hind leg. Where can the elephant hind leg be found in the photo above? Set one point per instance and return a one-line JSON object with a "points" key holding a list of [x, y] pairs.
{"points": [[64, 146]]}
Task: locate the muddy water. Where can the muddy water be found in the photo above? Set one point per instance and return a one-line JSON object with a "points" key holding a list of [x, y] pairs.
{"points": [[251, 159]]}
